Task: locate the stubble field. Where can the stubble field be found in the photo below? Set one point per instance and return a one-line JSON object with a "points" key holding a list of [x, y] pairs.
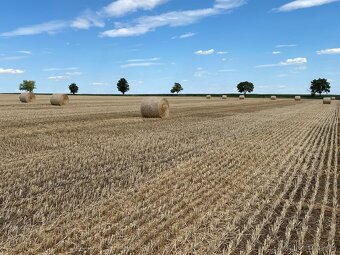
{"points": [[217, 177]]}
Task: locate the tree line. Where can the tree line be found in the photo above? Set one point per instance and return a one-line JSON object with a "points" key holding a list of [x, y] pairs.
{"points": [[317, 86]]}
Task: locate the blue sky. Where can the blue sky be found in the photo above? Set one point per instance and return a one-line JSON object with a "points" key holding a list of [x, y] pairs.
{"points": [[208, 46]]}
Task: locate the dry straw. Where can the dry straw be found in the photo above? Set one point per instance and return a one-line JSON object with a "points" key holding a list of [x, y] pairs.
{"points": [[59, 99], [224, 97], [208, 97], [273, 98], [154, 107], [26, 97], [242, 97], [327, 100], [297, 98]]}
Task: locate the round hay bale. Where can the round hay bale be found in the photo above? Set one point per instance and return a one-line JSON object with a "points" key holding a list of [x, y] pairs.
{"points": [[59, 99], [154, 107], [297, 98], [333, 98], [224, 97], [242, 97], [273, 98], [26, 97], [208, 97], [327, 100]]}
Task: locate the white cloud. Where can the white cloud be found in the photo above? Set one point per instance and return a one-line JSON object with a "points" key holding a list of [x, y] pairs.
{"points": [[288, 62], [222, 52], [147, 24], [285, 45], [140, 64], [276, 52], [11, 71], [301, 4], [183, 36], [227, 70], [11, 58], [73, 73], [51, 27], [100, 83], [205, 52], [143, 60], [58, 78], [121, 7], [27, 52], [329, 51], [60, 69], [87, 20]]}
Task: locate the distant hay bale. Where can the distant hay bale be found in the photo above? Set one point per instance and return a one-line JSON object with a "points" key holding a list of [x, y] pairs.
{"points": [[208, 97], [59, 99], [224, 97], [297, 98], [327, 100], [154, 107], [333, 98], [242, 97], [26, 97], [273, 98]]}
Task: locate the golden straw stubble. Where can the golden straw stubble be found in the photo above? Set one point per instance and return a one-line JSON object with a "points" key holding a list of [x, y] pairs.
{"points": [[154, 107]]}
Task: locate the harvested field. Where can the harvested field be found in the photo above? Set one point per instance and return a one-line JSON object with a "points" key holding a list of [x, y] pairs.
{"points": [[232, 176]]}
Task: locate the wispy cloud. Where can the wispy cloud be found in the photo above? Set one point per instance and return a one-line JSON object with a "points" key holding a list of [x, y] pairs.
{"points": [[147, 24], [329, 51], [11, 71], [121, 7], [87, 20], [227, 70], [59, 78], [100, 83], [27, 52], [143, 60], [183, 36], [51, 69], [276, 52], [288, 62], [205, 52], [9, 58], [222, 52], [285, 45], [140, 64], [51, 27], [301, 4]]}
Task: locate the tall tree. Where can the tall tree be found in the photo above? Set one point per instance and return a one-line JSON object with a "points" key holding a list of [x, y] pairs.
{"points": [[319, 86], [176, 88], [123, 86], [73, 88], [27, 85], [244, 87]]}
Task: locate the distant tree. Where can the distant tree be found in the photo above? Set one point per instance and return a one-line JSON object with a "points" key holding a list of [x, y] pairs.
{"points": [[123, 86], [176, 88], [27, 85], [319, 86], [73, 88], [244, 87]]}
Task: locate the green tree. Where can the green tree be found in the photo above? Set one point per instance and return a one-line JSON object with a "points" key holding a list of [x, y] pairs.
{"points": [[176, 88], [319, 86], [73, 88], [27, 85], [244, 87], [123, 86]]}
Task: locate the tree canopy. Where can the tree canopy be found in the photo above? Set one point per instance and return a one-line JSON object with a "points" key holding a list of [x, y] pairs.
{"points": [[123, 86], [245, 86], [27, 85], [176, 88], [73, 88], [320, 86]]}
